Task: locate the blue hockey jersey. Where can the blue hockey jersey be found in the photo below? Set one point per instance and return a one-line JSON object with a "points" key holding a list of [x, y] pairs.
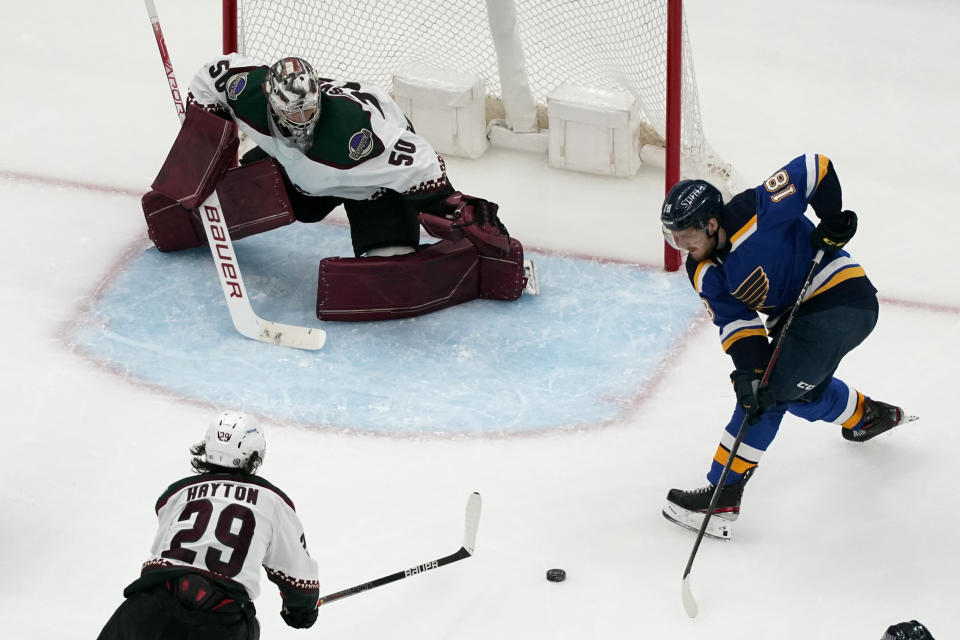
{"points": [[767, 255]]}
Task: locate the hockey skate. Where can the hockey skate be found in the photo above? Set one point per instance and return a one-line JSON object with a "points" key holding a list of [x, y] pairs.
{"points": [[878, 417], [533, 283], [687, 508]]}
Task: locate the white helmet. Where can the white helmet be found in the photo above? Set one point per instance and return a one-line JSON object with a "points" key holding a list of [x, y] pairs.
{"points": [[293, 92], [232, 439]]}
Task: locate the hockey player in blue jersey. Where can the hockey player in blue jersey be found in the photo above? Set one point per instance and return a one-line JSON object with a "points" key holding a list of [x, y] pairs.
{"points": [[751, 256]]}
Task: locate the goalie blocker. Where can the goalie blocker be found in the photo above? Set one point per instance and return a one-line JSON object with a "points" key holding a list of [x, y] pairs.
{"points": [[473, 259]]}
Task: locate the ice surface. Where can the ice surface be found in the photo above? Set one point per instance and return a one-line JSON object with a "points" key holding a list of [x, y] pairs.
{"points": [[572, 358], [835, 540]]}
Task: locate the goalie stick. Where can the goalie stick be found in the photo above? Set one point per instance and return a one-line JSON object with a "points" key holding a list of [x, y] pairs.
{"points": [[689, 603], [246, 321], [471, 522]]}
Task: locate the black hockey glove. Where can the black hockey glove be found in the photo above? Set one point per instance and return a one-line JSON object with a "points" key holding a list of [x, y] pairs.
{"points": [[912, 630], [753, 400], [299, 618], [834, 234]]}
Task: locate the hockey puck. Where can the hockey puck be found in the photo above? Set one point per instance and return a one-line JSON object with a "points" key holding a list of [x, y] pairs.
{"points": [[556, 575]]}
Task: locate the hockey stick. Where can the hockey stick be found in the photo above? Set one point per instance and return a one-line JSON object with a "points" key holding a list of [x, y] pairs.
{"points": [[244, 318], [471, 522], [689, 603]]}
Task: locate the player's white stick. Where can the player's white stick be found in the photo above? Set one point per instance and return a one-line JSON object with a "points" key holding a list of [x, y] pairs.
{"points": [[221, 247], [470, 523]]}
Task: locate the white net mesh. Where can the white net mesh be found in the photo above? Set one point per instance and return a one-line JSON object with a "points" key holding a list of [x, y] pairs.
{"points": [[608, 44]]}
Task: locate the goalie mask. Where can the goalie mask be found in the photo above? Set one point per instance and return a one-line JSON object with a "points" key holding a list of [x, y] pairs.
{"points": [[235, 440], [293, 93]]}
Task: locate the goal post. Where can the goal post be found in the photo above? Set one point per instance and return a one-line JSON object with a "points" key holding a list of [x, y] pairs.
{"points": [[230, 27], [674, 117], [522, 50]]}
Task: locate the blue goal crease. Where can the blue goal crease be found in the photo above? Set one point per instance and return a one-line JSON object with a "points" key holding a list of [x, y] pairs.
{"points": [[573, 356]]}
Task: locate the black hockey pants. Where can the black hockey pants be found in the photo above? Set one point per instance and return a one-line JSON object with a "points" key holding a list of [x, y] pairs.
{"points": [[156, 614], [814, 346], [387, 221]]}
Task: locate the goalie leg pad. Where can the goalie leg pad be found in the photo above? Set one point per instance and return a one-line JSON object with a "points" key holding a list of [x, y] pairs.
{"points": [[205, 147], [502, 277], [253, 198], [382, 288], [170, 225]]}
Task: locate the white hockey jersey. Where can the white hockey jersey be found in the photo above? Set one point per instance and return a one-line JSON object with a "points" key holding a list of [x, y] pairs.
{"points": [[227, 526], [362, 142]]}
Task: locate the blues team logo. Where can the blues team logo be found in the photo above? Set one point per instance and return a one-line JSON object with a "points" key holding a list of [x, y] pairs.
{"points": [[753, 290], [360, 144], [236, 85]]}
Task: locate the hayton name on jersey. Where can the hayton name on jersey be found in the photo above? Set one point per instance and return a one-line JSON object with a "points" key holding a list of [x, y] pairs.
{"points": [[241, 493]]}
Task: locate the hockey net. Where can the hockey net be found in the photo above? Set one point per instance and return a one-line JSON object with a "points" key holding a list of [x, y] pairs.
{"points": [[616, 45]]}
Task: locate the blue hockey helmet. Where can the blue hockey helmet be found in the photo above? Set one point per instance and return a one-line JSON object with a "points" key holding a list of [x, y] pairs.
{"points": [[689, 204]]}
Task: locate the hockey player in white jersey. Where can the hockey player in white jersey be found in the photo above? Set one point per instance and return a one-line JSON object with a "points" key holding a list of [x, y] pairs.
{"points": [[319, 144], [216, 529]]}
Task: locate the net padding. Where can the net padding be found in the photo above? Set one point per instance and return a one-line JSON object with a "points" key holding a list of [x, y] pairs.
{"points": [[607, 44]]}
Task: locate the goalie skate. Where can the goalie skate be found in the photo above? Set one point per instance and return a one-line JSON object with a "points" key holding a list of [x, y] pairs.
{"points": [[718, 528], [530, 273]]}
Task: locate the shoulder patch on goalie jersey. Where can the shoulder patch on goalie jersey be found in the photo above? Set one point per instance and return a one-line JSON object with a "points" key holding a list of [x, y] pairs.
{"points": [[245, 97], [236, 85], [344, 136], [360, 144]]}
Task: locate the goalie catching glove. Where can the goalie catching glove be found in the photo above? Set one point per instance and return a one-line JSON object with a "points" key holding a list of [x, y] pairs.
{"points": [[462, 215]]}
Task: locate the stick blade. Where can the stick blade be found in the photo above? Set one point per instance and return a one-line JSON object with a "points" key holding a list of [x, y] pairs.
{"points": [[472, 522], [289, 335], [689, 603]]}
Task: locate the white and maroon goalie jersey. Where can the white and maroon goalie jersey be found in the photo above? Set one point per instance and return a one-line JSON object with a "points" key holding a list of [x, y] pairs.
{"points": [[361, 143], [226, 526]]}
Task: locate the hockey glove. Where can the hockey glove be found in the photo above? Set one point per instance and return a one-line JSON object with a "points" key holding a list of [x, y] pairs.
{"points": [[831, 235], [462, 215], [299, 618], [753, 400]]}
